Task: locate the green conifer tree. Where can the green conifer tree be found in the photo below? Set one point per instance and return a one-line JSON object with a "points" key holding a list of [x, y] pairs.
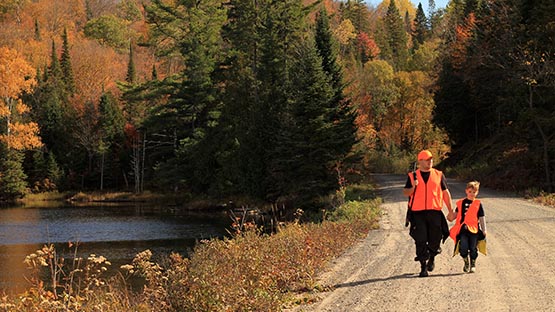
{"points": [[420, 31], [396, 37], [65, 64], [131, 76], [13, 183]]}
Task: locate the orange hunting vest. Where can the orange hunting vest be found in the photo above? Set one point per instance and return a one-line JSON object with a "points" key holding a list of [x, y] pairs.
{"points": [[428, 196], [470, 219]]}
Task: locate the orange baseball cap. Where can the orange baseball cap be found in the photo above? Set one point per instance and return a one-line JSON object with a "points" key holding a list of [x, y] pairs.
{"points": [[424, 155]]}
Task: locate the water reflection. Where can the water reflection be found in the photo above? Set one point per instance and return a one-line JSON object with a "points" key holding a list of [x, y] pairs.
{"points": [[117, 232]]}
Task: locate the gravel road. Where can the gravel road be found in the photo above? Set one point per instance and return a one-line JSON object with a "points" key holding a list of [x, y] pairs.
{"points": [[379, 273]]}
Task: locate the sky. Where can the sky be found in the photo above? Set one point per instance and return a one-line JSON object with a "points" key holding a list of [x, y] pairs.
{"points": [[439, 3]]}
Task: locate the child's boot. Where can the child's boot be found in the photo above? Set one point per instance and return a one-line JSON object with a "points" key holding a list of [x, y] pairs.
{"points": [[472, 265], [423, 269], [466, 267]]}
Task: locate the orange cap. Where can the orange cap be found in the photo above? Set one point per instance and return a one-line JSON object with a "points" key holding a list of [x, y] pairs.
{"points": [[424, 155]]}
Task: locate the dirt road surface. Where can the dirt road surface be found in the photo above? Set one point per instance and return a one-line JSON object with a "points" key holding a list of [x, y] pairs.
{"points": [[379, 273]]}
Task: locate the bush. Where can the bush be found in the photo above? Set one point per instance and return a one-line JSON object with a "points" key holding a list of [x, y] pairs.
{"points": [[356, 211]]}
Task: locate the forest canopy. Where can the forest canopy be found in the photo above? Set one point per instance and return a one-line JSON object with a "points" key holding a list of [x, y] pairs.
{"points": [[274, 101]]}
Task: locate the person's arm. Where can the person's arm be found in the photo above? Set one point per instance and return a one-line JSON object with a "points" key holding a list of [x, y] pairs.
{"points": [[483, 224], [448, 202], [482, 219], [409, 187], [447, 198]]}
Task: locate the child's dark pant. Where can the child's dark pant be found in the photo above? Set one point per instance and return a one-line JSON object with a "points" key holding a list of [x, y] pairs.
{"points": [[426, 232], [468, 243]]}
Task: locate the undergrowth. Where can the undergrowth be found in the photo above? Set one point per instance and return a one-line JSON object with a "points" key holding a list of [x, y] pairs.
{"points": [[250, 271]]}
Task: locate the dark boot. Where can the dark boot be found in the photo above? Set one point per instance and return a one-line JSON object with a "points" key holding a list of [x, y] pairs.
{"points": [[466, 267], [472, 265], [431, 264], [423, 269]]}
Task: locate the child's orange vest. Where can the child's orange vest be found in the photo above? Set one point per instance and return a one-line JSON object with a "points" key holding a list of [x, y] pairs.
{"points": [[470, 219]]}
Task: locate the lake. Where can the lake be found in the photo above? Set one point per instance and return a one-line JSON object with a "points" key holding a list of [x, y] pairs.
{"points": [[115, 231]]}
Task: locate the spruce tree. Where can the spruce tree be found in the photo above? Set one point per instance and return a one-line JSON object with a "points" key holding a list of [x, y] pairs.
{"points": [[154, 73], [341, 115], [408, 24], [396, 37], [65, 63], [284, 22], [131, 76], [53, 170], [192, 107], [304, 166], [242, 157], [420, 31], [54, 71], [37, 30], [110, 119]]}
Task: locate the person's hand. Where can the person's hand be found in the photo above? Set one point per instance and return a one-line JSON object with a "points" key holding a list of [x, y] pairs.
{"points": [[451, 216], [484, 233], [415, 183]]}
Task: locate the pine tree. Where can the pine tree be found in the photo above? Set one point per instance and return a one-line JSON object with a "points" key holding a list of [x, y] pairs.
{"points": [[396, 37], [65, 63], [131, 76], [420, 32]]}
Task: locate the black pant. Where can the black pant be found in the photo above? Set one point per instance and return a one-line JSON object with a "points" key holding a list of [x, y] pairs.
{"points": [[468, 243], [427, 233]]}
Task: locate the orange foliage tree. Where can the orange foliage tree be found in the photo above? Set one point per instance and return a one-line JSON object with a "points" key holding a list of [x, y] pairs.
{"points": [[16, 77]]}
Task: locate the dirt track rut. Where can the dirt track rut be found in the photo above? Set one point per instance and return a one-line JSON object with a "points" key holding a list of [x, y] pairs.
{"points": [[379, 273]]}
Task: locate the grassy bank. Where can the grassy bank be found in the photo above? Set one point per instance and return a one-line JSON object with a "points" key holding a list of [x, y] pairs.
{"points": [[249, 272], [185, 200]]}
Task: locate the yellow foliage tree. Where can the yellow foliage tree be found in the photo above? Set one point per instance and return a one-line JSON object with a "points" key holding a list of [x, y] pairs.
{"points": [[16, 77]]}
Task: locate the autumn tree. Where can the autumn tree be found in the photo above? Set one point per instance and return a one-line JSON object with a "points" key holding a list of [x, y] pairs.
{"points": [[18, 133], [16, 77]]}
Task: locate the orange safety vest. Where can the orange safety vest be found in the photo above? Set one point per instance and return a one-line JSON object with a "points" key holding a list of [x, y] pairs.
{"points": [[470, 219], [428, 196]]}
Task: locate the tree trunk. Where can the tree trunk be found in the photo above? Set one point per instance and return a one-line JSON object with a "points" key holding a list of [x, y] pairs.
{"points": [[143, 164], [102, 172]]}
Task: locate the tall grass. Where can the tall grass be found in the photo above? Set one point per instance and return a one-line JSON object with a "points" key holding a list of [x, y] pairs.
{"points": [[251, 271]]}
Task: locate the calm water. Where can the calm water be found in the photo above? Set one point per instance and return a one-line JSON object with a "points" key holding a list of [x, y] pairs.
{"points": [[117, 232]]}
